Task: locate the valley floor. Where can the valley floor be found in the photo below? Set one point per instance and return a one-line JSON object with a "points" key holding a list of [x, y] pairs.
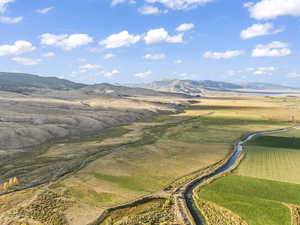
{"points": [[144, 158]]}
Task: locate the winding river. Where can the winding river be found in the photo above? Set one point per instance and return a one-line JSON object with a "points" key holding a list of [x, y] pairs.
{"points": [[229, 165]]}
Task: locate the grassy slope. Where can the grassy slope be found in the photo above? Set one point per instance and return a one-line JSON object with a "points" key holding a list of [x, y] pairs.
{"points": [[144, 168]]}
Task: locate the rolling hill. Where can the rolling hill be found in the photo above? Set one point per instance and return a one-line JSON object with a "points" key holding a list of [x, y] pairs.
{"points": [[19, 82], [268, 86], [191, 87], [28, 83], [197, 88]]}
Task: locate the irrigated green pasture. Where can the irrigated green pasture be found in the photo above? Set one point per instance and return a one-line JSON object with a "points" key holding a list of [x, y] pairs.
{"points": [[274, 157], [257, 201]]}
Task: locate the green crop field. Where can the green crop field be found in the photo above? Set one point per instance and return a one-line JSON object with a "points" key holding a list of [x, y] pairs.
{"points": [[273, 157], [268, 176], [257, 201]]}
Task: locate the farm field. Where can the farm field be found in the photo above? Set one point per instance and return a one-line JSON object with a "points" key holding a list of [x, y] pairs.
{"points": [[264, 183], [257, 201], [143, 158], [274, 157]]}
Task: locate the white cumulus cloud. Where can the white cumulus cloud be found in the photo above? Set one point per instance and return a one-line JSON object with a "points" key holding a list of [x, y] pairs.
{"points": [[161, 35], [268, 68], [49, 54], [259, 30], [108, 56], [19, 47], [223, 55], [260, 72], [143, 74], [117, 2], [273, 49], [3, 5], [270, 9], [248, 4], [185, 27], [44, 10], [65, 41], [26, 61], [180, 4], [155, 56], [87, 67], [10, 20], [120, 40], [7, 19], [265, 70], [149, 10], [112, 73]]}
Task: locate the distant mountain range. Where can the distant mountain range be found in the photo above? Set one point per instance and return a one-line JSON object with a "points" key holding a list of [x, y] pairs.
{"points": [[26, 83], [124, 91], [194, 87], [187, 86], [268, 86]]}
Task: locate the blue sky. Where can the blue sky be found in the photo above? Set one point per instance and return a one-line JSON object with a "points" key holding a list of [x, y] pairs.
{"points": [[127, 41]]}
